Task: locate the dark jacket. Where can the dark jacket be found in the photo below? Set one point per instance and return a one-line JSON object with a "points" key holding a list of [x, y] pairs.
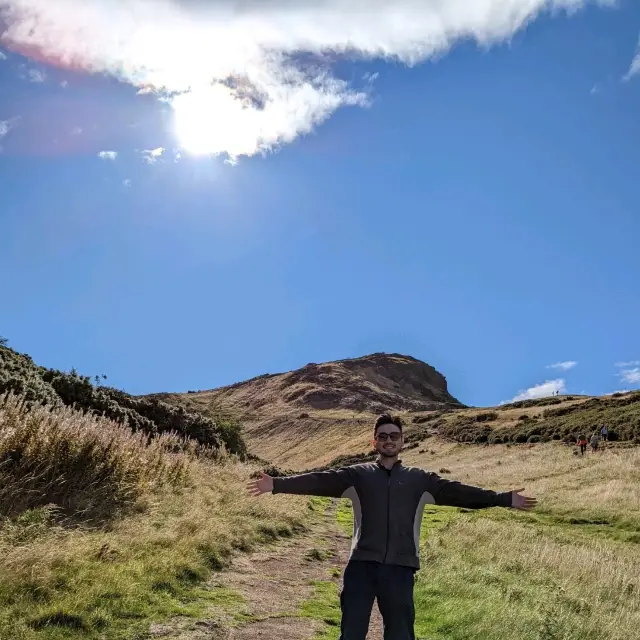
{"points": [[388, 506]]}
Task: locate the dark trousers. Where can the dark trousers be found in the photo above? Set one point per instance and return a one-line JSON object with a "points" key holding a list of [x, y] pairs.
{"points": [[583, 448], [391, 585]]}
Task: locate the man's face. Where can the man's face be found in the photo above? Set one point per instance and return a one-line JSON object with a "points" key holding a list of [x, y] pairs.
{"points": [[388, 440]]}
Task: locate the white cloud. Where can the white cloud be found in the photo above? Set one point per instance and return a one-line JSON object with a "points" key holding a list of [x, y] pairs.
{"points": [[36, 75], [152, 155], [7, 125], [626, 365], [64, 84], [126, 182], [634, 69], [630, 376], [108, 155], [543, 390], [3, 56], [563, 366], [253, 74]]}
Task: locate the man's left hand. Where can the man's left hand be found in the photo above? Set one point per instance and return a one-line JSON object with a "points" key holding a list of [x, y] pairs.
{"points": [[523, 503]]}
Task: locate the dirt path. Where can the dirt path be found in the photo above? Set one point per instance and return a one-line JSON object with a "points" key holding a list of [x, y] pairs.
{"points": [[274, 583]]}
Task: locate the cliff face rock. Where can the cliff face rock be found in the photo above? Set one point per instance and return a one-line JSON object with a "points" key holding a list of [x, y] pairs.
{"points": [[374, 383]]}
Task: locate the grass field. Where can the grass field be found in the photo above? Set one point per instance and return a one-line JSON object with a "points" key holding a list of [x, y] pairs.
{"points": [[570, 570]]}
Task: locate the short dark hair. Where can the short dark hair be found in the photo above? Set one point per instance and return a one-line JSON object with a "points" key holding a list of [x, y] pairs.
{"points": [[387, 418]]}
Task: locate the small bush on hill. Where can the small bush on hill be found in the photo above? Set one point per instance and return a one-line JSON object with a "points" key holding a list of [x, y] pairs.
{"points": [[421, 419], [19, 375], [346, 460], [465, 430], [561, 411], [489, 416], [90, 468], [423, 431]]}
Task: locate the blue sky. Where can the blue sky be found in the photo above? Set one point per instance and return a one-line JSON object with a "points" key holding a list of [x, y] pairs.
{"points": [[356, 182]]}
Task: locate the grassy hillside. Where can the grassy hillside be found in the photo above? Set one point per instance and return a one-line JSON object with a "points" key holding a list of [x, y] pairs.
{"points": [[317, 438], [285, 416], [103, 532], [306, 418], [570, 570], [111, 523]]}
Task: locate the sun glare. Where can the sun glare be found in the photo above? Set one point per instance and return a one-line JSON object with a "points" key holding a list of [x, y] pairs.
{"points": [[211, 120]]}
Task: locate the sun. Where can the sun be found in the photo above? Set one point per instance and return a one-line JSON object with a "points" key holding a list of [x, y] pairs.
{"points": [[212, 120]]}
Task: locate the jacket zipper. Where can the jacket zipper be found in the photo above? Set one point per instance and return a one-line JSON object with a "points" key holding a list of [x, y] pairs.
{"points": [[386, 550]]}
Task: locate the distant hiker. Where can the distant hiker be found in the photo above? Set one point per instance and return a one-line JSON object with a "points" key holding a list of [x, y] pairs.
{"points": [[388, 500], [582, 443], [595, 441], [604, 433]]}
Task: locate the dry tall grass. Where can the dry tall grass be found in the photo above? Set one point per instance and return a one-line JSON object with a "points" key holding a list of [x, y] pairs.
{"points": [[87, 467], [606, 483], [111, 584]]}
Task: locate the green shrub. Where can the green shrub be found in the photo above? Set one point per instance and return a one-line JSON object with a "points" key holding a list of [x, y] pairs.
{"points": [[150, 415], [465, 430], [19, 375], [422, 431], [489, 416]]}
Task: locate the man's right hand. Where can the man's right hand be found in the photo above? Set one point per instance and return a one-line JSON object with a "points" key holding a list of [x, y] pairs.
{"points": [[263, 485]]}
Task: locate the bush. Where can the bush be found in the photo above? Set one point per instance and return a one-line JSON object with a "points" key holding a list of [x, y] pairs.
{"points": [[560, 411], [487, 417], [87, 467], [19, 375], [465, 430], [151, 415], [421, 419], [349, 459]]}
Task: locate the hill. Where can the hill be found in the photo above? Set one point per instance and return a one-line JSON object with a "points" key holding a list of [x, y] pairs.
{"points": [[131, 533], [322, 412], [333, 403]]}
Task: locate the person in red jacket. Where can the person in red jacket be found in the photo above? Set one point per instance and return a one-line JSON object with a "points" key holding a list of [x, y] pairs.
{"points": [[388, 501], [582, 443]]}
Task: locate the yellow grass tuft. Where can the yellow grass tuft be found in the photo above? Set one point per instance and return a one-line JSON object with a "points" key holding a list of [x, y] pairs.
{"points": [[87, 467]]}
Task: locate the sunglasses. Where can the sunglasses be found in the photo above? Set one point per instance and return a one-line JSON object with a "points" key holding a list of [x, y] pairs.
{"points": [[383, 437]]}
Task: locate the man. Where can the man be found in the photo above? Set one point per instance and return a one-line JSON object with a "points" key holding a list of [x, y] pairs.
{"points": [[604, 433], [595, 441], [388, 500]]}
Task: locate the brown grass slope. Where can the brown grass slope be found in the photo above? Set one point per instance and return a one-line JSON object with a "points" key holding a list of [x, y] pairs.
{"points": [[286, 416], [310, 417]]}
